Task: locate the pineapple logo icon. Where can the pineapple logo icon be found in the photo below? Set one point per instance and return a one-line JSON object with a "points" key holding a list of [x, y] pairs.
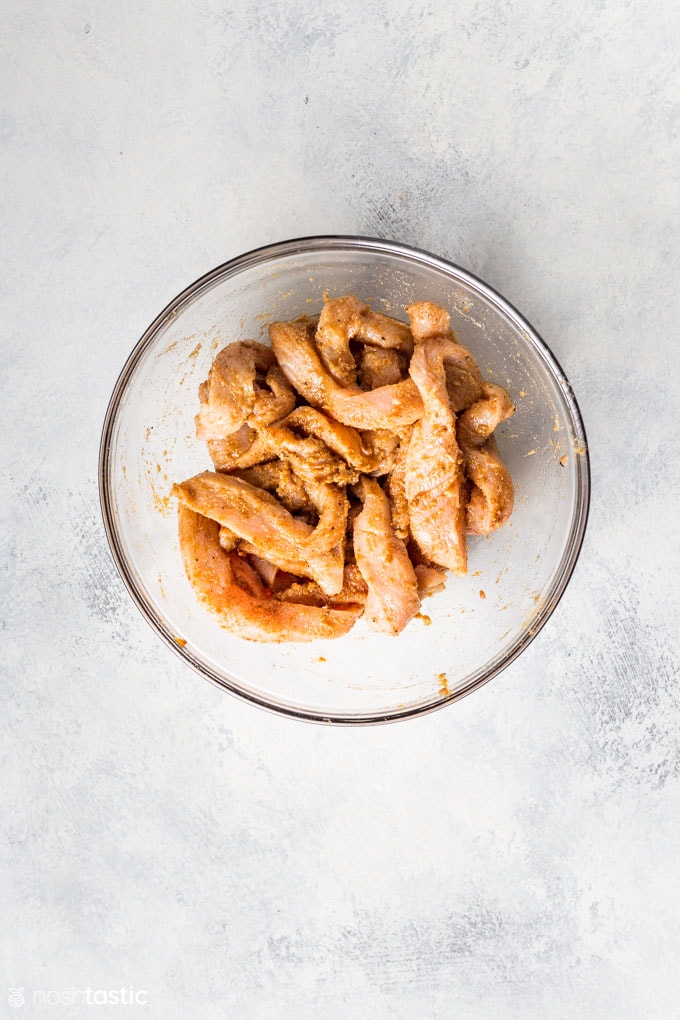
{"points": [[16, 997]]}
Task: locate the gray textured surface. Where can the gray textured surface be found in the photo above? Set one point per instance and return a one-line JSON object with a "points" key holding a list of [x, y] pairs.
{"points": [[512, 857]]}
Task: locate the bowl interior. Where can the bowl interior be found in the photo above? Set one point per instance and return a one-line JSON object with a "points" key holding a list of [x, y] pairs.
{"points": [[463, 635]]}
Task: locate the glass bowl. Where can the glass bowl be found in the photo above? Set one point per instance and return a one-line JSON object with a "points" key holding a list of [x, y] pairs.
{"points": [[464, 635]]}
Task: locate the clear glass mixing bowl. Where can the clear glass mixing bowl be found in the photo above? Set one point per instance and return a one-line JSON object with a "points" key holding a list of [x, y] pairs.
{"points": [[466, 634]]}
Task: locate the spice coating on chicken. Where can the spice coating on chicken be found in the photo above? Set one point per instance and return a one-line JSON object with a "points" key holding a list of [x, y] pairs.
{"points": [[383, 560], [483, 416], [258, 518], [434, 480], [351, 459], [492, 494], [232, 394], [388, 407], [346, 318], [217, 578]]}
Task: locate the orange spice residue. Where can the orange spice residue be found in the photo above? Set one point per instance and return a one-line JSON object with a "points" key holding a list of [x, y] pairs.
{"points": [[482, 593], [563, 460], [443, 684]]}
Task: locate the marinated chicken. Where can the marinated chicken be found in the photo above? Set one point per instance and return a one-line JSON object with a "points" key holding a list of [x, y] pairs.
{"points": [[434, 479], [384, 563], [387, 407], [217, 578], [351, 459]]}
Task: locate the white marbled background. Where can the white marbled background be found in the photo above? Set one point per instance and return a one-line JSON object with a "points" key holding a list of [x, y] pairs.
{"points": [[514, 857]]}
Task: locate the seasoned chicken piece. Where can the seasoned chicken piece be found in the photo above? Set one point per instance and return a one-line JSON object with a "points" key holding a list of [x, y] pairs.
{"points": [[258, 518], [245, 576], [380, 366], [355, 508], [434, 480], [328, 503], [244, 385], [287, 562], [464, 380], [274, 399], [269, 572], [309, 457], [430, 579], [388, 407], [479, 421], [228, 540], [396, 487], [492, 494], [277, 477], [219, 580], [364, 452], [384, 563], [428, 320], [353, 592], [382, 445], [332, 505], [346, 318], [242, 449], [349, 317], [320, 447], [338, 318]]}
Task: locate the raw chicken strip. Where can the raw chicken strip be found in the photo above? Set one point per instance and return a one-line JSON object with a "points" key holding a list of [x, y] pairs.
{"points": [[242, 449], [479, 421], [388, 407], [492, 494], [332, 505], [259, 519], [291, 563], [354, 591], [213, 574], [382, 558], [328, 501], [380, 366], [430, 579], [364, 453], [277, 477], [232, 395], [309, 457], [428, 320], [434, 465], [396, 488], [346, 318], [464, 382]]}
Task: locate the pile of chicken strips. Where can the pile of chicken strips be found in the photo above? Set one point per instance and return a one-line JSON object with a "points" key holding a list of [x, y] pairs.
{"points": [[352, 459]]}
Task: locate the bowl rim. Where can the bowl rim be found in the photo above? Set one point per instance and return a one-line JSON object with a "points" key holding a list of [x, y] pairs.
{"points": [[324, 242]]}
